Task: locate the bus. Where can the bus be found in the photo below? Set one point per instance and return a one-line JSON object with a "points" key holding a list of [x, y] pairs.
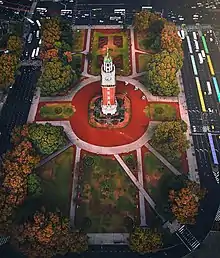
{"points": [[201, 99], [194, 65], [194, 35], [209, 88], [182, 33], [38, 23], [33, 53], [38, 34], [210, 65], [215, 82], [205, 45], [200, 58], [30, 36], [37, 51], [213, 151], [203, 53], [196, 45], [189, 44]]}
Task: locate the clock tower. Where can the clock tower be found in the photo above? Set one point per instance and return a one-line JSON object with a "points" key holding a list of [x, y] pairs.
{"points": [[108, 83]]}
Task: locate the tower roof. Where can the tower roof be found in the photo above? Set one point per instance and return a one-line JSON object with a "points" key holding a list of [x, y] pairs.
{"points": [[107, 58]]}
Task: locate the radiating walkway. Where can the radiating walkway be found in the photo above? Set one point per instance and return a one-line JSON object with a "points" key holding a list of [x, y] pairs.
{"points": [[141, 181], [74, 185], [163, 160]]}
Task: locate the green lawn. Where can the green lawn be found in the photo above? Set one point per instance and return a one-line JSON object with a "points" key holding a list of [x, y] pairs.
{"points": [[107, 196], [142, 42], [130, 161], [154, 170], [56, 183], [143, 59], [160, 112], [77, 62], [57, 111], [114, 51], [78, 40]]}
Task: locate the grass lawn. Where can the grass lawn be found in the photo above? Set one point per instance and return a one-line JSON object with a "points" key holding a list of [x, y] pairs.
{"points": [[107, 195], [154, 169], [143, 59], [79, 38], [130, 161], [77, 62], [142, 42], [161, 112], [57, 111], [114, 52], [56, 184]]}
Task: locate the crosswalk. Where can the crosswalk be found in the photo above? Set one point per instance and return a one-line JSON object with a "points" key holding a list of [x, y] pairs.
{"points": [[187, 238]]}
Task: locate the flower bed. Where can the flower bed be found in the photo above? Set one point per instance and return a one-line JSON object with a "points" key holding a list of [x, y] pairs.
{"points": [[102, 41], [118, 41]]}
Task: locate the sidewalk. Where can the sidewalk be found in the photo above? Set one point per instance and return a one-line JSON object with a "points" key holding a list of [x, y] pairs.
{"points": [[34, 106], [193, 169]]}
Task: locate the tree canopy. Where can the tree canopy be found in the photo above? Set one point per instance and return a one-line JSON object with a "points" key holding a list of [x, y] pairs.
{"points": [[47, 138], [15, 44], [46, 235], [169, 138], [145, 240], [161, 71], [8, 66], [50, 32], [170, 39], [184, 202], [55, 77]]}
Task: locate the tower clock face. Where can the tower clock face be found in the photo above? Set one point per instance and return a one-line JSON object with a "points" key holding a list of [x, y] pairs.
{"points": [[108, 78]]}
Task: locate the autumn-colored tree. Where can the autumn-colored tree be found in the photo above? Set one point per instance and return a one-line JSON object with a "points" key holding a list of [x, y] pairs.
{"points": [[169, 138], [19, 133], [49, 54], [22, 158], [184, 203], [50, 32], [14, 44], [69, 56], [145, 240], [143, 20], [160, 76], [47, 138], [8, 66], [47, 235], [170, 40]]}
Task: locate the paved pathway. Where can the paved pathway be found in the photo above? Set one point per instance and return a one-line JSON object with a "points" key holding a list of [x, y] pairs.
{"points": [[141, 181], [34, 106], [52, 156], [163, 160], [86, 61], [108, 238], [193, 169], [133, 59], [99, 149], [74, 184]]}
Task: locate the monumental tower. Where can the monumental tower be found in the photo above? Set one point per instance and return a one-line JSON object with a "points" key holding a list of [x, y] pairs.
{"points": [[108, 83]]}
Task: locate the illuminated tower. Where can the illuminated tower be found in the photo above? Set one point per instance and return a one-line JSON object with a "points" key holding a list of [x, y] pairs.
{"points": [[109, 103]]}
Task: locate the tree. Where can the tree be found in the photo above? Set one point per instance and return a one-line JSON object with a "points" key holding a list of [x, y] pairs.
{"points": [[170, 139], [49, 54], [50, 32], [160, 76], [8, 66], [143, 20], [145, 240], [184, 203], [170, 39], [15, 44], [55, 77], [34, 185], [46, 138], [46, 235]]}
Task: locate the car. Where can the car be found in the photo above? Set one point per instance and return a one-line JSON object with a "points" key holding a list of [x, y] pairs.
{"points": [[204, 92], [194, 128], [213, 127]]}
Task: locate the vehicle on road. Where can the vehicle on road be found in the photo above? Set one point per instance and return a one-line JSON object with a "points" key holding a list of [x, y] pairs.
{"points": [[33, 53], [200, 58], [37, 52], [194, 35], [30, 36], [38, 23], [196, 45], [209, 87], [40, 41], [38, 34], [203, 53]]}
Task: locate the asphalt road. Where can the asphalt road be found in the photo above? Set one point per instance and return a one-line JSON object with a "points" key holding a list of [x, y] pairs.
{"points": [[16, 108]]}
